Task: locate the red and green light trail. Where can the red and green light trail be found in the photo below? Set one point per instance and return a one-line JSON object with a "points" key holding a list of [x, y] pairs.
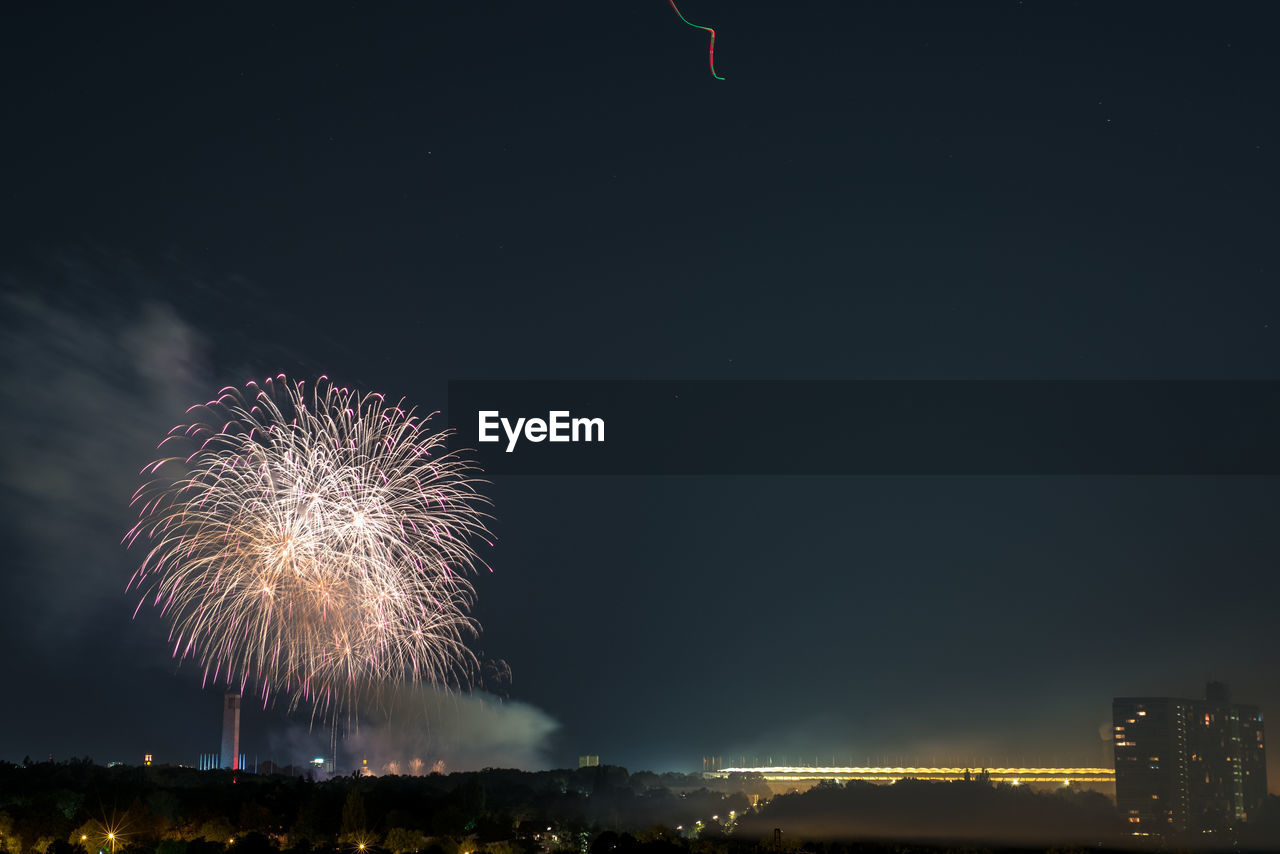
{"points": [[712, 52]]}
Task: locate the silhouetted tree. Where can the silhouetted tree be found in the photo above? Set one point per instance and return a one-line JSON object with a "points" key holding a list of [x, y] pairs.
{"points": [[354, 819]]}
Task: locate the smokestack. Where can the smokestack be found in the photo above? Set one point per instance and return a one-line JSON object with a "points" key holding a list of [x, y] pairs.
{"points": [[231, 732]]}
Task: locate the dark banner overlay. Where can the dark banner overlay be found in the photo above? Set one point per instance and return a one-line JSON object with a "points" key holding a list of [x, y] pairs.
{"points": [[868, 427]]}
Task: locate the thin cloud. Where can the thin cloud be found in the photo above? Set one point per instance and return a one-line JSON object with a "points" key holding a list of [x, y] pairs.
{"points": [[89, 390]]}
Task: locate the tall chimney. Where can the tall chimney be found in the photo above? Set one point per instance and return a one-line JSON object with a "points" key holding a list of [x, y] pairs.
{"points": [[231, 732]]}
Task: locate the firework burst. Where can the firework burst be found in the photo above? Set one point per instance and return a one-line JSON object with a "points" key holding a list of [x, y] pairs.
{"points": [[316, 544]]}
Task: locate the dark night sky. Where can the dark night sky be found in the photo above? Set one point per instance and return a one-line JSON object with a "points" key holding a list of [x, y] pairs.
{"points": [[401, 194]]}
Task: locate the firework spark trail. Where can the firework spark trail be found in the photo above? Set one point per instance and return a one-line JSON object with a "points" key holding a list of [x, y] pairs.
{"points": [[712, 53], [316, 544]]}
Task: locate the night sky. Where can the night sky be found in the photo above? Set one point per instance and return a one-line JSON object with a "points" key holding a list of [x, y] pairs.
{"points": [[398, 195]]}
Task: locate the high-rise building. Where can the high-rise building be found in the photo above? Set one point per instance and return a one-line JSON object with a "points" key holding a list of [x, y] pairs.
{"points": [[1188, 765], [231, 732]]}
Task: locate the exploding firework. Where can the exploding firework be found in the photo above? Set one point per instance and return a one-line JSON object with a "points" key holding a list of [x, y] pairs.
{"points": [[316, 544]]}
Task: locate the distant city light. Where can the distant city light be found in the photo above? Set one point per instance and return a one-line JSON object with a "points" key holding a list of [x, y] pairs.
{"points": [[800, 773]]}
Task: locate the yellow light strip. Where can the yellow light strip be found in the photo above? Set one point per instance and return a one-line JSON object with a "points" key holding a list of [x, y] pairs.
{"points": [[1033, 775]]}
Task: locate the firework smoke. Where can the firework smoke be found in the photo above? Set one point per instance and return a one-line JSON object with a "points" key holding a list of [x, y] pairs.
{"points": [[315, 544], [425, 730]]}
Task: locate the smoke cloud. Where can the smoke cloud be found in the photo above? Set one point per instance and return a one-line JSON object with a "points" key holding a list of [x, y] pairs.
{"points": [[429, 729], [88, 390]]}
